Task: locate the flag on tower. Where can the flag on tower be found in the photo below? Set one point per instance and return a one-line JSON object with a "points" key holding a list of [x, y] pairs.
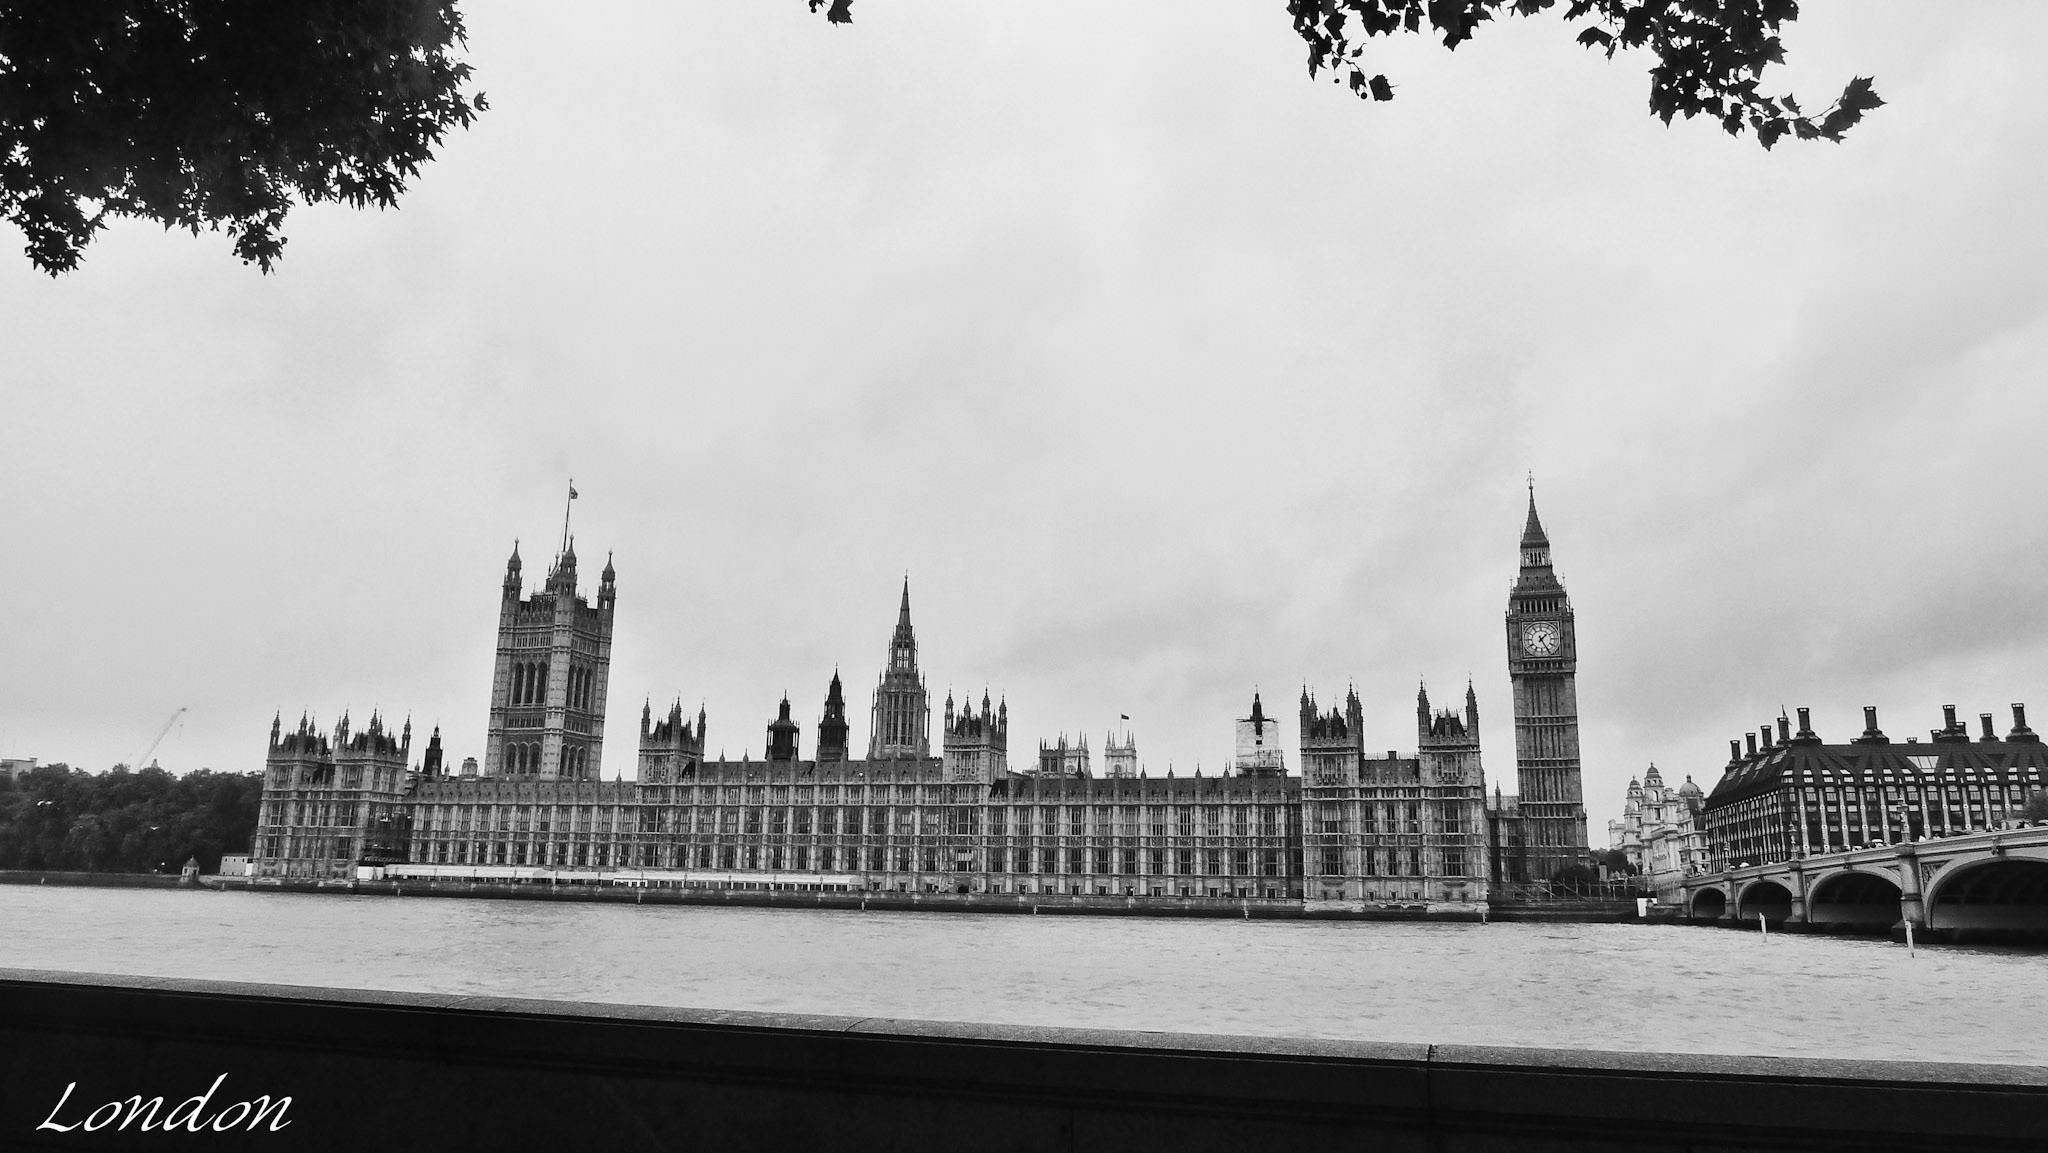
{"points": [[572, 492]]}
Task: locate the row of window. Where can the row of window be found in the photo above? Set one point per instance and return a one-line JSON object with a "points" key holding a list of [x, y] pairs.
{"points": [[530, 684], [876, 858], [523, 758], [1389, 862], [1072, 820]]}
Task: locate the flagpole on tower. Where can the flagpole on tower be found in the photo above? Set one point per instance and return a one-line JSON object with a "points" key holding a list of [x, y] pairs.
{"points": [[565, 517]]}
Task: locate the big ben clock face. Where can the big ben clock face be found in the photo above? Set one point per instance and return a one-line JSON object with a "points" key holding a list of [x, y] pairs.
{"points": [[1541, 638]]}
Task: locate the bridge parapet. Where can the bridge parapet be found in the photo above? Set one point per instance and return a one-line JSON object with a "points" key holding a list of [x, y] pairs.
{"points": [[1917, 870]]}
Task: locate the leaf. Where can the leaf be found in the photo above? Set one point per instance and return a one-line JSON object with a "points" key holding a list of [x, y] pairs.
{"points": [[1860, 96]]}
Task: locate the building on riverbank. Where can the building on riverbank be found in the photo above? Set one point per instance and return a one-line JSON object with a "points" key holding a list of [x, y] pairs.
{"points": [[1354, 828], [1659, 833], [1791, 795], [1542, 837]]}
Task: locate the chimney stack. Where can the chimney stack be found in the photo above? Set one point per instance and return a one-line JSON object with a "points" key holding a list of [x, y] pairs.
{"points": [[2020, 732], [1990, 734], [1784, 730], [1734, 751], [1951, 730], [1872, 735], [1752, 743], [1805, 725]]}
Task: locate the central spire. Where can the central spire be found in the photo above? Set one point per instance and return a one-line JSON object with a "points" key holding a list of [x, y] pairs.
{"points": [[1532, 531], [902, 706]]}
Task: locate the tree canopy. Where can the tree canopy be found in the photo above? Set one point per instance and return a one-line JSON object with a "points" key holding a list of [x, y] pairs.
{"points": [[222, 114], [218, 113], [1710, 54], [56, 817]]}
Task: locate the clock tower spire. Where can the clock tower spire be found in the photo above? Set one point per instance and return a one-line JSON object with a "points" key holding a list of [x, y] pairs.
{"points": [[1543, 666]]}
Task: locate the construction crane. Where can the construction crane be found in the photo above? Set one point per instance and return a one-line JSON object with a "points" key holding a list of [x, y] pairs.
{"points": [[160, 733]]}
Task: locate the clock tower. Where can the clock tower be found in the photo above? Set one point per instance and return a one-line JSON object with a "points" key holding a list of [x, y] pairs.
{"points": [[1542, 664]]}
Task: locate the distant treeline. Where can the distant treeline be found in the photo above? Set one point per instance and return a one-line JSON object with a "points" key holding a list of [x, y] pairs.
{"points": [[57, 817]]}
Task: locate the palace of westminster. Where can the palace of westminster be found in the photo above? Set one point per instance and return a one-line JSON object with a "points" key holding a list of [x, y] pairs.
{"points": [[1352, 827]]}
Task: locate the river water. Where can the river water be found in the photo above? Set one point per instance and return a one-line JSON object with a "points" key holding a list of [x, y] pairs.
{"points": [[1654, 988]]}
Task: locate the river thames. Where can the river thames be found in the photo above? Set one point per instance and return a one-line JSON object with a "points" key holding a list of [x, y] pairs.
{"points": [[1651, 988]]}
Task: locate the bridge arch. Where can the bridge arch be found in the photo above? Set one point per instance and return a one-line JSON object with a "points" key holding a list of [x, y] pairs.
{"points": [[1708, 905], [1770, 898], [2003, 896], [1854, 900]]}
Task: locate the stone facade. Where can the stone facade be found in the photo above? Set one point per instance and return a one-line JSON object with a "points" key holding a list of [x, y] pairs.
{"points": [[333, 803], [549, 681], [1659, 833], [1549, 836], [1395, 828], [1353, 829], [1797, 796]]}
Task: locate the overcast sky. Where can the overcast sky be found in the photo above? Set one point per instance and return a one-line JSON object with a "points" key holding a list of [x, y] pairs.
{"points": [[1165, 373]]}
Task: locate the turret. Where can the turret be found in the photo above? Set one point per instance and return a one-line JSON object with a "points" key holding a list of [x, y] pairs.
{"points": [[512, 580], [832, 728], [782, 734], [563, 579], [669, 751]]}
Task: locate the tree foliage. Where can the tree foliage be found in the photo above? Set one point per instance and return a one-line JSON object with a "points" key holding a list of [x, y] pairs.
{"points": [[1710, 54], [217, 113], [2037, 806], [1616, 863], [222, 114], [60, 818]]}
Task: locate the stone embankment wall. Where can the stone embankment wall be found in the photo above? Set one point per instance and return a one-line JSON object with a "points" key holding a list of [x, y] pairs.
{"points": [[104, 880], [1046, 904], [371, 1070]]}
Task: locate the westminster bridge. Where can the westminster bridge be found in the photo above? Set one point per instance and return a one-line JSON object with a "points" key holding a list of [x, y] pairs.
{"points": [[1991, 883]]}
